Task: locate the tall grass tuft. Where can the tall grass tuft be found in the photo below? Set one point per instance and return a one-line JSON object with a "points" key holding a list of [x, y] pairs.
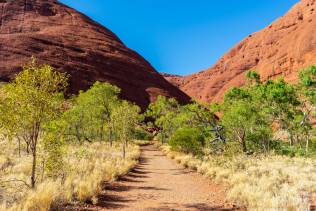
{"points": [[259, 183], [86, 169]]}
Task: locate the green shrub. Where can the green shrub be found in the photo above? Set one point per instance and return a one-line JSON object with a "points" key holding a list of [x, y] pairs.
{"points": [[187, 140], [284, 148], [140, 134]]}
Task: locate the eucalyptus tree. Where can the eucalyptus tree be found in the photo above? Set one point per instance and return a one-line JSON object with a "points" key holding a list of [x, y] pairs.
{"points": [[162, 111], [241, 118], [307, 87], [34, 98], [90, 115], [125, 117]]}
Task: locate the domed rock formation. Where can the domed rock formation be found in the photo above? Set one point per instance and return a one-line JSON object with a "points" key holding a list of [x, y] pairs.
{"points": [[73, 43], [281, 49]]}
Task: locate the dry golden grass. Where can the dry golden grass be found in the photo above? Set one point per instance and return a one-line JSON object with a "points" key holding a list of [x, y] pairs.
{"points": [[259, 183], [141, 142], [87, 167]]}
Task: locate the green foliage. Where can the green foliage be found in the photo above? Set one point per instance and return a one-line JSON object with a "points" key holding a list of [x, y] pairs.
{"points": [[99, 114], [308, 83], [237, 94], [197, 116], [251, 112], [280, 92], [53, 147], [90, 115], [307, 90], [169, 116], [253, 77], [187, 140], [161, 106], [246, 124], [308, 76], [34, 112], [141, 134], [251, 116], [285, 148], [162, 111], [34, 98], [125, 118]]}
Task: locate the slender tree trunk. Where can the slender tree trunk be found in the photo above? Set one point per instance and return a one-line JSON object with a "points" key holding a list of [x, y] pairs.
{"points": [[101, 133], [33, 146], [27, 148], [291, 139], [243, 141], [33, 180], [265, 147], [124, 149], [78, 134], [19, 140], [244, 147], [26, 139], [110, 137], [307, 144], [101, 129], [43, 170]]}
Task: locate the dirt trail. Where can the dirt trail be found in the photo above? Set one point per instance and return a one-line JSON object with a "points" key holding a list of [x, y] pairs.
{"points": [[159, 183]]}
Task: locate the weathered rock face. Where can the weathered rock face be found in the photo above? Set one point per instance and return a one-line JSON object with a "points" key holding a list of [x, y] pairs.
{"points": [[281, 49], [73, 43], [176, 80]]}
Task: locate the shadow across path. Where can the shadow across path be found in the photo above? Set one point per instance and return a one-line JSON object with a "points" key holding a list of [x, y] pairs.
{"points": [[158, 183]]}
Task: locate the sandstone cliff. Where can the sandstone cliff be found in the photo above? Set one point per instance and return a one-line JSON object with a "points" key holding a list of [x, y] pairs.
{"points": [[281, 49], [73, 43]]}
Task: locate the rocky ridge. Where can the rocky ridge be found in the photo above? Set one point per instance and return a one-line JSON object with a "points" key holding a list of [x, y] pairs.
{"points": [[280, 50], [71, 42]]}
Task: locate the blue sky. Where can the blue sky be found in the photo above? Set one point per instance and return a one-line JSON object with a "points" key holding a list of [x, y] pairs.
{"points": [[182, 36]]}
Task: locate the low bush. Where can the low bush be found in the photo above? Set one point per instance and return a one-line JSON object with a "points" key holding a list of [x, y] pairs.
{"points": [[141, 134], [187, 140]]}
